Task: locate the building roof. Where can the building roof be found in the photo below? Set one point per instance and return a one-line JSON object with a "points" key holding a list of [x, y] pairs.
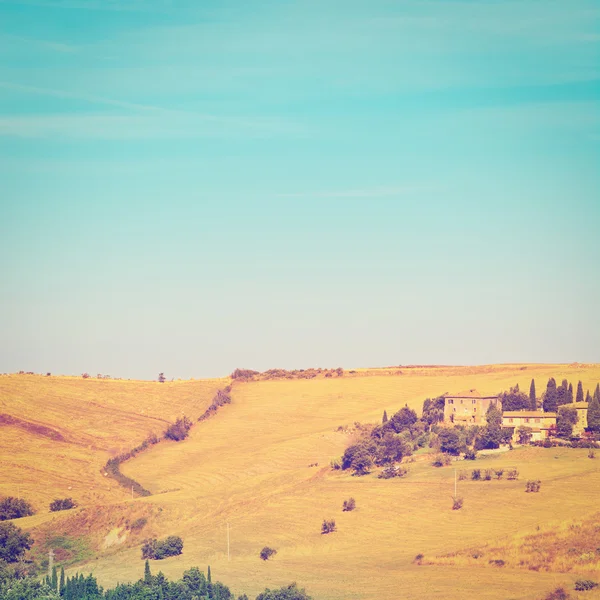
{"points": [[579, 405], [469, 394], [528, 414]]}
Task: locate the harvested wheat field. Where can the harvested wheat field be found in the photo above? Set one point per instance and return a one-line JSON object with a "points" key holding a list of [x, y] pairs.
{"points": [[260, 466]]}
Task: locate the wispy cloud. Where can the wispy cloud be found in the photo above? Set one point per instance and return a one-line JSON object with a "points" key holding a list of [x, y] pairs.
{"points": [[96, 5], [44, 44], [372, 192], [143, 127]]}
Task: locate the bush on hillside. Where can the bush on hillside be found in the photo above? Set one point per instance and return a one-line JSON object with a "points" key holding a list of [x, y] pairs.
{"points": [[244, 374], [512, 474], [441, 460], [62, 504], [178, 431], [349, 505], [583, 585], [470, 454], [533, 485], [158, 549], [328, 526], [14, 508], [457, 503], [291, 592], [138, 524], [558, 594], [267, 552]]}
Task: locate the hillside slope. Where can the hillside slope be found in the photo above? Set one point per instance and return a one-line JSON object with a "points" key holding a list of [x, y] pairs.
{"points": [[248, 466]]}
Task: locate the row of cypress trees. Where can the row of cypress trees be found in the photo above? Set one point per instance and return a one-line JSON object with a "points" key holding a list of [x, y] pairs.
{"points": [[77, 587]]}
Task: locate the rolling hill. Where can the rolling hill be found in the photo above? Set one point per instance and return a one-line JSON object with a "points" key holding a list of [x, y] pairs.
{"points": [[260, 467]]}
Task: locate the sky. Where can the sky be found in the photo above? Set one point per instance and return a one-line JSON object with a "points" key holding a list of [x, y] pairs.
{"points": [[190, 187]]}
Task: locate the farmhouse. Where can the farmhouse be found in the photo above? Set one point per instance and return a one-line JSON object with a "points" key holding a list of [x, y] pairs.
{"points": [[467, 407], [539, 422]]}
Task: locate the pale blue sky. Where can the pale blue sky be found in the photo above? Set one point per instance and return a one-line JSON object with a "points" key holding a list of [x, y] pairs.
{"points": [[191, 187]]}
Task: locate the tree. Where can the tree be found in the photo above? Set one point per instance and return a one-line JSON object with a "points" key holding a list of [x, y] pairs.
{"points": [[433, 410], [147, 573], [593, 415], [551, 396], [562, 393], [267, 552], [514, 399], [161, 377], [291, 592], [61, 582], [384, 420], [208, 577], [566, 419], [362, 462], [588, 396], [14, 508], [13, 542], [54, 579], [532, 397], [490, 436], [579, 397], [390, 449], [524, 434], [403, 419], [597, 392], [450, 441], [570, 392]]}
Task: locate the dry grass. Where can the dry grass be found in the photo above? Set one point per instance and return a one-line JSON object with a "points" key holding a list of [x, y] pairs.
{"points": [[248, 466]]}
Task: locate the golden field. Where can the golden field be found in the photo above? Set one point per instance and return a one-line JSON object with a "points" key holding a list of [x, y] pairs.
{"points": [[249, 466]]}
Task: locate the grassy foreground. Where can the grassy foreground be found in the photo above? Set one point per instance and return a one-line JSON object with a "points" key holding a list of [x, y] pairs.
{"points": [[249, 466]]}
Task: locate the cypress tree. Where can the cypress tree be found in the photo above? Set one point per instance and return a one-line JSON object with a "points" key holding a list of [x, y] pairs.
{"points": [[551, 396], [593, 415], [597, 392], [570, 392], [54, 580], [147, 573], [61, 582], [48, 581], [532, 398], [588, 397], [562, 393], [579, 397], [384, 420], [208, 578]]}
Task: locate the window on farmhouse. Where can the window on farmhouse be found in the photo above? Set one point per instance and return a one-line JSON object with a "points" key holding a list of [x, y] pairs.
{"points": [[511, 420], [526, 420]]}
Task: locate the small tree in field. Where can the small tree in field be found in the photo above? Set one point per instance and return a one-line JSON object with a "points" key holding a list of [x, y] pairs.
{"points": [[161, 377], [349, 505], [267, 552], [328, 526]]}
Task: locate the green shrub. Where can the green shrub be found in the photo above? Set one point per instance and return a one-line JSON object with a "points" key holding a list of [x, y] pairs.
{"points": [[470, 454], [267, 552], [62, 504], [14, 508], [488, 475], [457, 503], [13, 542], [476, 474], [512, 474], [349, 505], [533, 485], [178, 431], [138, 524], [499, 473], [158, 549], [441, 460], [558, 594], [583, 585], [328, 526]]}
